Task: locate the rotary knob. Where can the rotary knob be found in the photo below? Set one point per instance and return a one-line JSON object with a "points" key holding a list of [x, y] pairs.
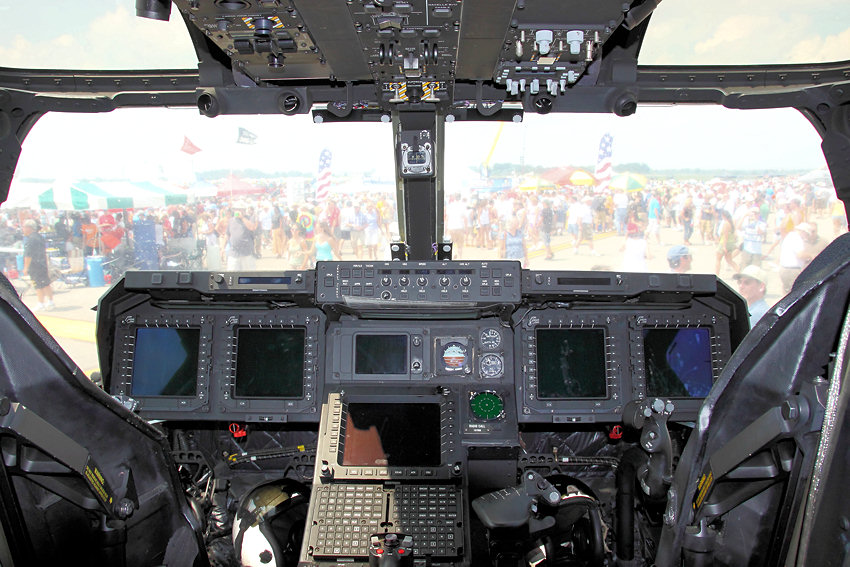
{"points": [[444, 281], [403, 281], [421, 281], [464, 281], [386, 281]]}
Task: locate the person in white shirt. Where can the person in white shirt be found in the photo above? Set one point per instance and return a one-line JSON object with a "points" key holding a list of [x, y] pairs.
{"points": [[792, 254]]}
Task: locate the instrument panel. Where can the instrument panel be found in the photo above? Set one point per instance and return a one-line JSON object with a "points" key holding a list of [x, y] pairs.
{"points": [[550, 347]]}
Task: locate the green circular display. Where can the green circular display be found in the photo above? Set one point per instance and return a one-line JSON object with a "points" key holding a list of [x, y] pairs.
{"points": [[486, 405]]}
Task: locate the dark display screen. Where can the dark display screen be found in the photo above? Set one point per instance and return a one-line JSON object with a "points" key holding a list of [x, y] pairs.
{"points": [[678, 362], [571, 363], [269, 363], [403, 434], [265, 280], [165, 362], [380, 354]]}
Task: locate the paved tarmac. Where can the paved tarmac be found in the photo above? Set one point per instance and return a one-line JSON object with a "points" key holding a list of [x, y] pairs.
{"points": [[72, 322]]}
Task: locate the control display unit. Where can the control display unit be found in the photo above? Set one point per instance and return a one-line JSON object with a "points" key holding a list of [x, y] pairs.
{"points": [[678, 356], [571, 367], [274, 364], [369, 436], [163, 361]]}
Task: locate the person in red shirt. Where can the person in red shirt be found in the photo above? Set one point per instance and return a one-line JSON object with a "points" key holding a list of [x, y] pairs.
{"points": [[110, 232]]}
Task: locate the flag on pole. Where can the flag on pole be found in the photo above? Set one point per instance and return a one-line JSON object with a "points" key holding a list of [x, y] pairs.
{"points": [[189, 147], [246, 137], [323, 180], [603, 160]]}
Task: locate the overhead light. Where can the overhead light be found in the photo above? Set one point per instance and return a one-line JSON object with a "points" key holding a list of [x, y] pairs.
{"points": [[154, 9]]}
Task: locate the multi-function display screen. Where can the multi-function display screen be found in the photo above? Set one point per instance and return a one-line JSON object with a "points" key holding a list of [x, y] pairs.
{"points": [[571, 363], [380, 354], [678, 362], [269, 363], [165, 362], [383, 434]]}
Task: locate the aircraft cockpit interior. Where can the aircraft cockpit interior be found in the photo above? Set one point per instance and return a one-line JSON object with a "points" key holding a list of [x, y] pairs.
{"points": [[422, 406]]}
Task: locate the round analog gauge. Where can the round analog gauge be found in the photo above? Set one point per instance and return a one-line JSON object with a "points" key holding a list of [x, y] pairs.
{"points": [[487, 406], [490, 339], [454, 356], [492, 366]]}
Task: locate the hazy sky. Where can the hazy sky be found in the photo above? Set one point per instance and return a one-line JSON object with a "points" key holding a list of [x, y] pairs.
{"points": [[71, 146]]}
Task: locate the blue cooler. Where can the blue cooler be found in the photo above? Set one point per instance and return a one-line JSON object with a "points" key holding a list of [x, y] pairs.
{"points": [[19, 261], [94, 270]]}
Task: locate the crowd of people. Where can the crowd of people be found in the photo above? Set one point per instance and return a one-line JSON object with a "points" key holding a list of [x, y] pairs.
{"points": [[744, 221]]}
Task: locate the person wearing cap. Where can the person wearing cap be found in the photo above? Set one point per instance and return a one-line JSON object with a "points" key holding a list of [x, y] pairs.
{"points": [[752, 286], [793, 254], [35, 265], [679, 258]]}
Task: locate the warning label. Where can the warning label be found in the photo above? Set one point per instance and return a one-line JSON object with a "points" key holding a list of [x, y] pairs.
{"points": [[98, 484]]}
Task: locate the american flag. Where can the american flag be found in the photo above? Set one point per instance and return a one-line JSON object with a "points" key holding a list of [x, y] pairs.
{"points": [[323, 181], [603, 160]]}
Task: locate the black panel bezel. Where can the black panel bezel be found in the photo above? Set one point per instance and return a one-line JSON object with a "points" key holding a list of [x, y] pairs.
{"points": [[268, 409], [124, 356], [532, 409], [333, 431], [686, 409]]}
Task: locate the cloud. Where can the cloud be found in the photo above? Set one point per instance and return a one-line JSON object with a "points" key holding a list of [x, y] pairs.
{"points": [[720, 33], [821, 49], [114, 40]]}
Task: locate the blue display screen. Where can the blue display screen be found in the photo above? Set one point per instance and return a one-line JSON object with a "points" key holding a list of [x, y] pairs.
{"points": [[678, 362]]}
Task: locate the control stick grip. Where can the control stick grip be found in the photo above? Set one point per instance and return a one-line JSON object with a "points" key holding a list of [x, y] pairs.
{"points": [[514, 507], [390, 550]]}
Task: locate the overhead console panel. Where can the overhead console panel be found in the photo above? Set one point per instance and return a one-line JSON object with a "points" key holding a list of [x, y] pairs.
{"points": [[387, 54]]}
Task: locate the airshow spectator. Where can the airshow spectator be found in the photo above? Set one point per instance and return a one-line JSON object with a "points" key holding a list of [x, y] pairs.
{"points": [[753, 231], [679, 259], [240, 243], [706, 221], [687, 219], [89, 231], [456, 224], [635, 251], [727, 242], [753, 287], [512, 244], [547, 226], [653, 215], [621, 206], [35, 265]]}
